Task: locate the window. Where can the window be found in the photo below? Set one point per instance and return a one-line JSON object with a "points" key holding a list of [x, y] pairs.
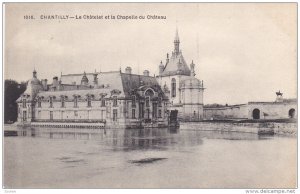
{"points": [[89, 103], [24, 103], [115, 114], [39, 103], [102, 102], [62, 101], [133, 113], [51, 115], [148, 114], [24, 115], [75, 101], [115, 101], [62, 114], [159, 101], [173, 87], [133, 101], [75, 114], [159, 113], [102, 114], [154, 111], [51, 102], [147, 101]]}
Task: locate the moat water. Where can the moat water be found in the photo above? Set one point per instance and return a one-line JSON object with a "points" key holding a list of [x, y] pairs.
{"points": [[148, 158]]}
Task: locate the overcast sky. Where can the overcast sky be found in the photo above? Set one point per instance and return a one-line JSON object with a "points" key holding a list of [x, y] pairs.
{"points": [[243, 52]]}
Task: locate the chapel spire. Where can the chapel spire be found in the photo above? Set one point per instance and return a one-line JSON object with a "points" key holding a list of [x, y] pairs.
{"points": [[176, 43]]}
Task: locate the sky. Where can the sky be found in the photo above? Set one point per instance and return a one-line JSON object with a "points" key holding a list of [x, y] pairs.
{"points": [[242, 51]]}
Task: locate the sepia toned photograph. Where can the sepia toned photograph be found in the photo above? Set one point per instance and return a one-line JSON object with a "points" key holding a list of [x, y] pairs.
{"points": [[150, 96]]}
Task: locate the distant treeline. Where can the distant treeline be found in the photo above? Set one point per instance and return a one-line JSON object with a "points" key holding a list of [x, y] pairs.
{"points": [[12, 92]]}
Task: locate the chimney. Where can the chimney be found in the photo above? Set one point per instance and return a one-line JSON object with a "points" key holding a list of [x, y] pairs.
{"points": [[55, 81], [128, 70], [44, 84], [146, 73]]}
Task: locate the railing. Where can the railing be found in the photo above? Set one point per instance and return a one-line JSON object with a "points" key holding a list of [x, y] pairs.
{"points": [[71, 120]]}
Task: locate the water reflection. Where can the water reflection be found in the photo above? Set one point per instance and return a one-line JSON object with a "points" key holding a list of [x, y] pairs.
{"points": [[131, 139]]}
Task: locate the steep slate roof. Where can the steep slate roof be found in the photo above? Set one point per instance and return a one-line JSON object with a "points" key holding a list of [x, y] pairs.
{"points": [[111, 79], [133, 81], [176, 66], [69, 93]]}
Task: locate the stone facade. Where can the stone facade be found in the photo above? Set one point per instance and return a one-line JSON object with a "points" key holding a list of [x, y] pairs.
{"points": [[113, 98], [179, 83]]}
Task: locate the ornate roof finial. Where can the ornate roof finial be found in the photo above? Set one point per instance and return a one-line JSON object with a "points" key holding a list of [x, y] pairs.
{"points": [[34, 73], [176, 35]]}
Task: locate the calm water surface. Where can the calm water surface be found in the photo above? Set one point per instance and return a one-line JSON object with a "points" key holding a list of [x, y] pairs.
{"points": [[147, 158]]}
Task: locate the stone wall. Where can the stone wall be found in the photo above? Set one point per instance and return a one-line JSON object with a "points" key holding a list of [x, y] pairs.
{"points": [[252, 110], [278, 128]]}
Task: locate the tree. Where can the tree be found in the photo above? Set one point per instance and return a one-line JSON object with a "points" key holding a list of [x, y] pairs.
{"points": [[12, 92]]}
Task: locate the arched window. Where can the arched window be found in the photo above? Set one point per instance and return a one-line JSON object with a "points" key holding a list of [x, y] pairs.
{"points": [[256, 114], [173, 87], [292, 113]]}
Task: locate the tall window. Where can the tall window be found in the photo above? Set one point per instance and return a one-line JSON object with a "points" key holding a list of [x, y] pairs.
{"points": [[133, 113], [89, 103], [173, 87], [147, 101], [133, 101], [51, 102], [75, 101], [102, 102], [115, 101], [159, 113], [154, 111], [115, 114], [62, 101], [159, 101], [51, 115], [39, 103], [24, 103]]}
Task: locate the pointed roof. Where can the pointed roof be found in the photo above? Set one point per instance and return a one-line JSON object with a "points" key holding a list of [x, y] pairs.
{"points": [[176, 65], [176, 36]]}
